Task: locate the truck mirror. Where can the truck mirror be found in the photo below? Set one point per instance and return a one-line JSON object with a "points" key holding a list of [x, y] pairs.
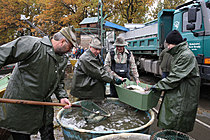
{"points": [[192, 12], [208, 4], [191, 27]]}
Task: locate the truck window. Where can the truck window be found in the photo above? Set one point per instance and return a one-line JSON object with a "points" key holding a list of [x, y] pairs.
{"points": [[208, 10], [198, 23]]}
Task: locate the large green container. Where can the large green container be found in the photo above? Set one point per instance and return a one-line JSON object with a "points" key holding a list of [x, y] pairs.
{"points": [[141, 101], [72, 133], [3, 84]]}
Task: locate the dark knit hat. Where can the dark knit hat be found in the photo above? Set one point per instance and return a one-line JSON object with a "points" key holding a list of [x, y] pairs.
{"points": [[174, 37]]}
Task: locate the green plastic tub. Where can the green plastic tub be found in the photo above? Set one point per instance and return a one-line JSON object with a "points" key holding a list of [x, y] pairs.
{"points": [[3, 84], [141, 101]]}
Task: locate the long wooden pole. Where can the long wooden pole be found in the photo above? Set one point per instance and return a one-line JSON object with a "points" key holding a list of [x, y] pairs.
{"points": [[15, 101]]}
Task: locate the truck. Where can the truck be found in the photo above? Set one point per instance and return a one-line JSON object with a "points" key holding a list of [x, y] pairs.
{"points": [[191, 19]]}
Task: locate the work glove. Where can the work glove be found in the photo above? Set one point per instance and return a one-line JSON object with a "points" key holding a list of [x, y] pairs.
{"points": [[118, 81], [124, 79], [153, 88]]}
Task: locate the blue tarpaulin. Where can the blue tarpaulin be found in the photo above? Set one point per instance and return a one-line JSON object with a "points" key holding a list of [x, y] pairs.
{"points": [[107, 24], [115, 26]]}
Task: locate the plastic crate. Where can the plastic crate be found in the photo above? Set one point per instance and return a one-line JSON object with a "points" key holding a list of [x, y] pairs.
{"points": [[141, 101], [3, 84]]}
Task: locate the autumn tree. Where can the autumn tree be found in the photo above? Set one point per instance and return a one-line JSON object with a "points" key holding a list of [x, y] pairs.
{"points": [[60, 13], [166, 4], [51, 15], [129, 11], [11, 26], [9, 19]]}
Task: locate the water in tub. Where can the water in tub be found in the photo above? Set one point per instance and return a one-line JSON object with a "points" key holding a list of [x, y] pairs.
{"points": [[123, 117]]}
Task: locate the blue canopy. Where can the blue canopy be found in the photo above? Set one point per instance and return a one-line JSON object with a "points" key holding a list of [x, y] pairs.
{"points": [[115, 26]]}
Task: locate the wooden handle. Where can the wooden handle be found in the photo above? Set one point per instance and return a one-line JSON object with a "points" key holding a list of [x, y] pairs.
{"points": [[15, 101]]}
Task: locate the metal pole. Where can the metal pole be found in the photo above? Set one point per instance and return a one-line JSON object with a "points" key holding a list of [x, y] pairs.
{"points": [[102, 20], [101, 27], [100, 16]]}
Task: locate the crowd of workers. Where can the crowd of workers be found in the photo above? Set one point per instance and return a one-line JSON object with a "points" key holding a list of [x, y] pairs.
{"points": [[40, 68]]}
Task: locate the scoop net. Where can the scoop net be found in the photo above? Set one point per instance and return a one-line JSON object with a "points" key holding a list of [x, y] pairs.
{"points": [[92, 112]]}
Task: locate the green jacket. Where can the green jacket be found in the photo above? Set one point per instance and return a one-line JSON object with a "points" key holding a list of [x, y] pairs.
{"points": [[165, 60], [38, 73], [182, 88], [90, 77]]}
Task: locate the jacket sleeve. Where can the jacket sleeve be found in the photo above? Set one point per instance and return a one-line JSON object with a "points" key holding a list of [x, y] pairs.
{"points": [[182, 68], [94, 69], [16, 50], [60, 92]]}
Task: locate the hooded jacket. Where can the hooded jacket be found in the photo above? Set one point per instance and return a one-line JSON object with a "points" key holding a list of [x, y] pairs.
{"points": [[182, 89], [90, 77], [38, 73]]}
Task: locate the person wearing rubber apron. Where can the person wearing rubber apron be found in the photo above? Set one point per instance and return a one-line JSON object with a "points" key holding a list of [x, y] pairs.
{"points": [[120, 62], [182, 87], [90, 75], [38, 74]]}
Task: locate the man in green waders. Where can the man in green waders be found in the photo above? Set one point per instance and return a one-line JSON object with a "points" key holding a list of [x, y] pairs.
{"points": [[39, 72], [89, 74], [181, 86]]}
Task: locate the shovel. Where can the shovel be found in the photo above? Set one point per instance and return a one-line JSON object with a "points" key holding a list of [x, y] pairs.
{"points": [[98, 115]]}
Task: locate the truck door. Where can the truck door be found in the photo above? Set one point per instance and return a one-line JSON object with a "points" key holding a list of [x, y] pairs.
{"points": [[207, 38], [196, 39]]}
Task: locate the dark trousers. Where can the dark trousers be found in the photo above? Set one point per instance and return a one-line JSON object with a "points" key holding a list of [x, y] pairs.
{"points": [[46, 134], [113, 92]]}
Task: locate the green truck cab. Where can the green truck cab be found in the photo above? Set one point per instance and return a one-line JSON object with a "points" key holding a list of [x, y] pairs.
{"points": [[191, 19]]}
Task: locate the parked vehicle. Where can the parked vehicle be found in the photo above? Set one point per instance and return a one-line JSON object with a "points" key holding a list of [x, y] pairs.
{"points": [[191, 19]]}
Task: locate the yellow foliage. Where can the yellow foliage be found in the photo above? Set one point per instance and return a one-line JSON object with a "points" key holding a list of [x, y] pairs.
{"points": [[51, 15]]}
